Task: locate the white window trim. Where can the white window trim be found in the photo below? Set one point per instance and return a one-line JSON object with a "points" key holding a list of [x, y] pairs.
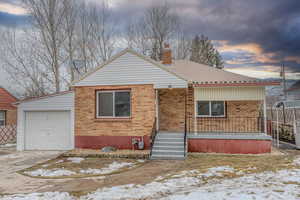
{"points": [[210, 115], [4, 111], [113, 92]]}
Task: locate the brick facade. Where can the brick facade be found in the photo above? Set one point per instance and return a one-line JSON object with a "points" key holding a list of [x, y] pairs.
{"points": [[172, 109], [11, 117], [241, 116], [139, 124]]}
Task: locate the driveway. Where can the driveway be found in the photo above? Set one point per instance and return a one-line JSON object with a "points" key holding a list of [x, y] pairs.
{"points": [[12, 161]]}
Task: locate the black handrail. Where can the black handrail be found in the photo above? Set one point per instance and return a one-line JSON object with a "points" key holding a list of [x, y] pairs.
{"points": [[153, 135], [185, 125]]}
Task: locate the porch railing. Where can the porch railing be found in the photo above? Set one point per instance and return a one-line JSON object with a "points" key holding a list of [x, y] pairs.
{"points": [[153, 135], [230, 125]]}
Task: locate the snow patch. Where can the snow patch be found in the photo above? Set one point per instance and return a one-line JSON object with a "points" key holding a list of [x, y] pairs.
{"points": [[75, 159], [50, 172], [217, 171], [296, 161], [8, 145], [40, 196], [111, 168]]}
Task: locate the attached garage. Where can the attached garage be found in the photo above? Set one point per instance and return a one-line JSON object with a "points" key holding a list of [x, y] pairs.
{"points": [[46, 123]]}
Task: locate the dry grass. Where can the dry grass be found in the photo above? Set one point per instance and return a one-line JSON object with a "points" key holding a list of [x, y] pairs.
{"points": [[87, 163], [150, 170], [130, 154]]}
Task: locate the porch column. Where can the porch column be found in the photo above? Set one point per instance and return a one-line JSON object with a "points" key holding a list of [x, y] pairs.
{"points": [[195, 116], [265, 115], [156, 109]]}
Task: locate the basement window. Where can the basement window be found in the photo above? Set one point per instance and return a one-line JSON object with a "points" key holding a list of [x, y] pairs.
{"points": [[2, 117], [211, 108], [113, 104]]}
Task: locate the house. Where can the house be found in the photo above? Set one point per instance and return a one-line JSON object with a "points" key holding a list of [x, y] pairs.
{"points": [[8, 111], [170, 107], [293, 92]]}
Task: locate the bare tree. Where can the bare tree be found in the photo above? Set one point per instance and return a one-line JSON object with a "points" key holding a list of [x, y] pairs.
{"points": [[148, 34], [71, 9], [161, 24], [17, 55], [103, 33], [48, 18]]}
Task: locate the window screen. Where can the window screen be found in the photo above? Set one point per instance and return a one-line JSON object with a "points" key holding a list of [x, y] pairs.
{"points": [[105, 104], [217, 108], [2, 118]]}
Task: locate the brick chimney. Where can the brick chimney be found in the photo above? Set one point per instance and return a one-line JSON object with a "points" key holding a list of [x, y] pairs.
{"points": [[167, 55]]}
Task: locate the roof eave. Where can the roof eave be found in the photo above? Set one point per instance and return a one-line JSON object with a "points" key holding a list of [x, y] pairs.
{"points": [[232, 84]]}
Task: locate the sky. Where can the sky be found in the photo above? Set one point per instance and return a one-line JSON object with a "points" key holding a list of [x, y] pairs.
{"points": [[254, 37]]}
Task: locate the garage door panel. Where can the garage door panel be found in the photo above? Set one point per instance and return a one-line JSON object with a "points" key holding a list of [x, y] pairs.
{"points": [[47, 130]]}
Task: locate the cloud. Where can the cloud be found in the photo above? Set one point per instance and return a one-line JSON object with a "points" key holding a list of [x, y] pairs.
{"points": [[12, 8]]}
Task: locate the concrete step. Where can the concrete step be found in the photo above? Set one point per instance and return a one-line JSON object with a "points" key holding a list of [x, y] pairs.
{"points": [[169, 140], [167, 152], [169, 143], [172, 148], [166, 135], [167, 157]]}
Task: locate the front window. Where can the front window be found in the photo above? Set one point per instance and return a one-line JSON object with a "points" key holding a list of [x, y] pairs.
{"points": [[211, 108], [2, 118], [113, 103]]}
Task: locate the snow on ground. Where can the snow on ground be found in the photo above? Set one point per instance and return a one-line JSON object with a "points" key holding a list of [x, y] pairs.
{"points": [[8, 145], [50, 172], [40, 196], [194, 185], [296, 161], [75, 159], [217, 171], [269, 185], [111, 168]]}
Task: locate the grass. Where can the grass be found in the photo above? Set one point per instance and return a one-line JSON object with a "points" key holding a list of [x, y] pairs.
{"points": [[92, 163]]}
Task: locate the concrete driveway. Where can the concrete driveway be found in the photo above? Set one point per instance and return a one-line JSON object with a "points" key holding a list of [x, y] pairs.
{"points": [[12, 161]]}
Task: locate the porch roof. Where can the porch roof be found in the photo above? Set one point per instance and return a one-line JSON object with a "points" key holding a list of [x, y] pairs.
{"points": [[206, 76]]}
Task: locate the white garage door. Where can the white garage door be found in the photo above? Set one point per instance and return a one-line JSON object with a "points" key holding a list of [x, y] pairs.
{"points": [[47, 130]]}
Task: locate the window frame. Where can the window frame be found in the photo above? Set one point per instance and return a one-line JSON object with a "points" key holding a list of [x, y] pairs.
{"points": [[210, 110], [114, 114], [4, 111]]}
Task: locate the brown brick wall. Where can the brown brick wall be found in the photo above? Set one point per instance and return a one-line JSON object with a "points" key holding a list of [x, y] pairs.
{"points": [[142, 113], [11, 116], [241, 116], [172, 109]]}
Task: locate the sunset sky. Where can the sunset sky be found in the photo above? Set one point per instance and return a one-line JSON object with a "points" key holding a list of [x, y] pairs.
{"points": [[254, 37]]}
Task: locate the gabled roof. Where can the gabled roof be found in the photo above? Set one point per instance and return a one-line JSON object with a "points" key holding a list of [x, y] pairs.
{"points": [[6, 99], [191, 72], [127, 50], [44, 96], [295, 86], [204, 75]]}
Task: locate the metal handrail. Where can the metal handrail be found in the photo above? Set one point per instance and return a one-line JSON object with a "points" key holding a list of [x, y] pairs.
{"points": [[153, 135]]}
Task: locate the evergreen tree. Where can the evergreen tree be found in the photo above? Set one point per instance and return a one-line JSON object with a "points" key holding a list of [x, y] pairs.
{"points": [[203, 52]]}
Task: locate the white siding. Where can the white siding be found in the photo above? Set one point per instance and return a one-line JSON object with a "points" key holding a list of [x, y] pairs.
{"points": [[230, 93], [63, 102], [130, 69]]}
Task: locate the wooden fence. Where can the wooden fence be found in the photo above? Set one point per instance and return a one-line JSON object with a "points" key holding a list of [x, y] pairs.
{"points": [[8, 134]]}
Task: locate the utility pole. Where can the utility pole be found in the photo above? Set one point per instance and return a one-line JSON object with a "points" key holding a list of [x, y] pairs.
{"points": [[282, 74]]}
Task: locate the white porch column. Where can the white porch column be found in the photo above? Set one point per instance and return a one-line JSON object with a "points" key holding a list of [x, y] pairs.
{"points": [[265, 115]]}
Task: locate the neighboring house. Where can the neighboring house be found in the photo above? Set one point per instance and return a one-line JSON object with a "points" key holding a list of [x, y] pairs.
{"points": [[8, 111], [131, 97], [293, 92]]}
